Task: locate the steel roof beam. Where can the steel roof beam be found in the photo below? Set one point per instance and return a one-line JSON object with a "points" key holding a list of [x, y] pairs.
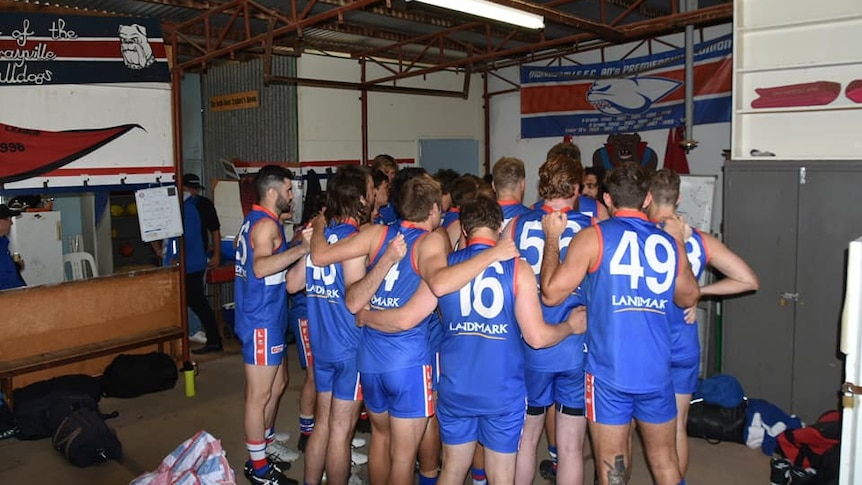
{"points": [[261, 38], [634, 31], [642, 8], [421, 39], [627, 11], [558, 16]]}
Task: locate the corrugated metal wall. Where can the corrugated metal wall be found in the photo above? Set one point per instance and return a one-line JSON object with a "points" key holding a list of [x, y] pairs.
{"points": [[267, 133]]}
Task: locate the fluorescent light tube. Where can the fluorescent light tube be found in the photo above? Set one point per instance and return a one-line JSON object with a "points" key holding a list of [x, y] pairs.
{"points": [[490, 10]]}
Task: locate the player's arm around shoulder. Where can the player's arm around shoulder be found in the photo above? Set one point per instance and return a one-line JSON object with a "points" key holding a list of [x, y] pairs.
{"points": [[443, 278], [361, 286], [738, 275], [296, 277], [431, 255], [560, 279], [324, 254], [395, 320], [265, 237]]}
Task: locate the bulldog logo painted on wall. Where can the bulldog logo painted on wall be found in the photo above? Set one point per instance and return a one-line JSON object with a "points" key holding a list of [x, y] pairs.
{"points": [[136, 49], [631, 95]]}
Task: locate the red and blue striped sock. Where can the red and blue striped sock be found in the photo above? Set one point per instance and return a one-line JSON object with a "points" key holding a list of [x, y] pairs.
{"points": [[257, 454]]}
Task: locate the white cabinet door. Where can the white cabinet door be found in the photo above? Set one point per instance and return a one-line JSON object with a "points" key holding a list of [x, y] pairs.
{"points": [[851, 343], [38, 237]]}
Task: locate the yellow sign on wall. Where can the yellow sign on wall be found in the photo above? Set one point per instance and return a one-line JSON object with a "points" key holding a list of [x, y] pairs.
{"points": [[244, 100]]}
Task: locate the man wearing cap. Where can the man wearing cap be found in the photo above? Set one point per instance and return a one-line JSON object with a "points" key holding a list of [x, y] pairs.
{"points": [[10, 270], [202, 230]]}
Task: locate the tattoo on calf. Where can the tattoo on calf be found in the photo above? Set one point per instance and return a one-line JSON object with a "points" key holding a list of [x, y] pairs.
{"points": [[617, 472]]}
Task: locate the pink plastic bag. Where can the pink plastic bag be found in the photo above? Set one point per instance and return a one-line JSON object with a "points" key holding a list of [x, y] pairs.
{"points": [[200, 460]]}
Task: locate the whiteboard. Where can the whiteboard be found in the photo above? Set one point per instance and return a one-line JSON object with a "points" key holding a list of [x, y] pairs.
{"points": [[159, 213], [697, 199]]}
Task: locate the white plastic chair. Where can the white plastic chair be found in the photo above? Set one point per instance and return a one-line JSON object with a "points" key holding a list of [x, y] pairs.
{"points": [[78, 263]]}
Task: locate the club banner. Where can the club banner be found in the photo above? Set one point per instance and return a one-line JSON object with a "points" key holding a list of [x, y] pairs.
{"points": [[638, 94], [86, 103], [44, 49]]}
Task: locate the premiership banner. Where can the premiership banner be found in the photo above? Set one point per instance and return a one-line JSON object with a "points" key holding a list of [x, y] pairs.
{"points": [[644, 93], [44, 49], [85, 103]]}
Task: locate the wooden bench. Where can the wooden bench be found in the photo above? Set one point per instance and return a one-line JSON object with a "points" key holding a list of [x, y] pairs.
{"points": [[80, 326]]}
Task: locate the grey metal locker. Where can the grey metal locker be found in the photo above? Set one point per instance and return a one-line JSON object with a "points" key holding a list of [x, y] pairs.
{"points": [[792, 222]]}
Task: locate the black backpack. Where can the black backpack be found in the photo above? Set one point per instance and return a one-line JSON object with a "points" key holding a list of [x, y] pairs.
{"points": [[85, 439], [131, 375], [716, 423], [41, 406]]}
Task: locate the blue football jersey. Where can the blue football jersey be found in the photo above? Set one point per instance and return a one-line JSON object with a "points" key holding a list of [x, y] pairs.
{"points": [[629, 294], [511, 210], [386, 215], [331, 327], [685, 345], [450, 216], [481, 357], [381, 351], [530, 240], [260, 302], [588, 206]]}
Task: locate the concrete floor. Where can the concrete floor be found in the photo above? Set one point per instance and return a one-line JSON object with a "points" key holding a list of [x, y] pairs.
{"points": [[151, 426]]}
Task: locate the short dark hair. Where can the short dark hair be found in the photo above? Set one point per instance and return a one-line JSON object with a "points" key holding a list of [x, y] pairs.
{"points": [[312, 205], [481, 212], [664, 187], [344, 192], [628, 185], [379, 178], [560, 177], [464, 188], [599, 172], [418, 197], [508, 172], [446, 177], [270, 177]]}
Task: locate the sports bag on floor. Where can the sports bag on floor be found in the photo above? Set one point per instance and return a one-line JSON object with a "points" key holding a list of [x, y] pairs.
{"points": [[85, 439], [807, 446], [199, 460], [38, 418], [716, 423], [131, 375]]}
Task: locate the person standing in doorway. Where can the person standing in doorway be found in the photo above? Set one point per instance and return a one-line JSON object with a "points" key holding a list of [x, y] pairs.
{"points": [[201, 229]]}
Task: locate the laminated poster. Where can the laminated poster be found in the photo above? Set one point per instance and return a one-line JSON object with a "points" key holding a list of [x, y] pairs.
{"points": [[159, 213]]}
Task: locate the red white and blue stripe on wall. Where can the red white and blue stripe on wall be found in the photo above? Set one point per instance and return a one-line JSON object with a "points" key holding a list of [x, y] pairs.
{"points": [[44, 49]]}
